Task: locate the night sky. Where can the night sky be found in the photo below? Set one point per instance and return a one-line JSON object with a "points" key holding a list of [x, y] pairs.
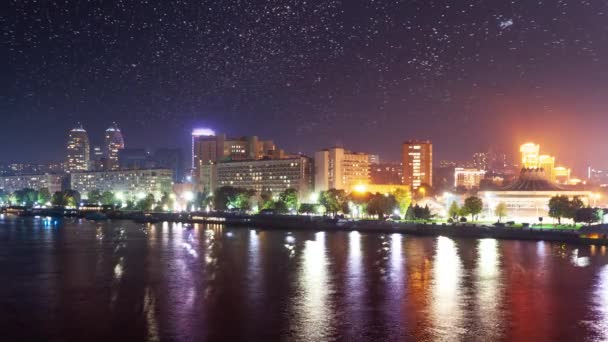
{"points": [[308, 74]]}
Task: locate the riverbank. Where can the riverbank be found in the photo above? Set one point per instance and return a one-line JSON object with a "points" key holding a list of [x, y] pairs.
{"points": [[596, 235]]}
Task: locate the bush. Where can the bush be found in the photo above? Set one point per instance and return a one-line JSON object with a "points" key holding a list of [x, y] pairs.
{"points": [[463, 219]]}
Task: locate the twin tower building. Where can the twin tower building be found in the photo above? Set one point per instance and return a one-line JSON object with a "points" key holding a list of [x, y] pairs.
{"points": [[79, 156]]}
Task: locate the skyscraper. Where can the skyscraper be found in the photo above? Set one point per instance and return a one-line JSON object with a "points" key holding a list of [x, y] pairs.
{"points": [[78, 150], [113, 144], [418, 163]]}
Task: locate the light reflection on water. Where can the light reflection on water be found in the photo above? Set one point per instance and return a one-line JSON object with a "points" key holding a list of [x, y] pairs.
{"points": [[83, 281], [446, 296]]}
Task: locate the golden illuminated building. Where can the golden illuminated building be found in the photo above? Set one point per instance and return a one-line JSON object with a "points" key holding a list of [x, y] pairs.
{"points": [[562, 175], [547, 163], [337, 168], [530, 155], [417, 163], [468, 178], [384, 189]]}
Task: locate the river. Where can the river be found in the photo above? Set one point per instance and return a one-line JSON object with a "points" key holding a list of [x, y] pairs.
{"points": [[76, 280]]}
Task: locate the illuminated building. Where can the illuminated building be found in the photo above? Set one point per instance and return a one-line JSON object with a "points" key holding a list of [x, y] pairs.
{"points": [[374, 159], [480, 161], [528, 197], [417, 163], [209, 148], [114, 142], [170, 158], [386, 173], [530, 155], [340, 169], [468, 178], [547, 163], [78, 150], [272, 175], [97, 159], [562, 175], [130, 184], [36, 182], [597, 176]]}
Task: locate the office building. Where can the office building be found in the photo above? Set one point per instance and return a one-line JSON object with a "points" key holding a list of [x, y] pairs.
{"points": [[126, 184], [417, 163], [374, 159], [562, 175], [114, 142], [547, 163], [97, 159], [272, 175], [36, 182], [135, 159], [78, 150], [468, 178], [172, 159], [337, 168], [209, 148], [386, 173]]}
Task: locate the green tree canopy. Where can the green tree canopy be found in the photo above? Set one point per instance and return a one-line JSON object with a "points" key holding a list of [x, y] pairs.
{"points": [[44, 195], [559, 206], [94, 196], [108, 198], [289, 198], [381, 205], [473, 206], [403, 198], [334, 201], [588, 215], [26, 196]]}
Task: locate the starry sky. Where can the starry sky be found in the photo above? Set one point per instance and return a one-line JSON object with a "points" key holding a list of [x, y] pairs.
{"points": [[363, 74]]}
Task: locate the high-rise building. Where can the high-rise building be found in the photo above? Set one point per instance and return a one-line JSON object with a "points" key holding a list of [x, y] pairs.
{"points": [[418, 163], [337, 168], [209, 148], [386, 173], [374, 159], [272, 175], [547, 163], [530, 155], [173, 159], [114, 142], [468, 178], [481, 160], [135, 159], [78, 150], [97, 158]]}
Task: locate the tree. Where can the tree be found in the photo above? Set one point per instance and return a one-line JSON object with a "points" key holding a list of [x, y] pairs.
{"points": [[501, 210], [381, 205], [559, 206], [289, 198], [403, 198], [307, 208], [4, 196], [454, 210], [108, 198], [166, 202], [410, 214], [58, 199], [71, 198], [334, 201], [265, 201], [223, 195], [146, 203], [26, 196], [587, 215], [94, 196], [473, 205], [44, 195], [574, 206]]}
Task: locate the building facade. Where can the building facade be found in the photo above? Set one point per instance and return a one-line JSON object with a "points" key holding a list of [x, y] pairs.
{"points": [[417, 163], [386, 173], [130, 184], [468, 178], [78, 150], [337, 168], [272, 175], [114, 142], [36, 182], [209, 148]]}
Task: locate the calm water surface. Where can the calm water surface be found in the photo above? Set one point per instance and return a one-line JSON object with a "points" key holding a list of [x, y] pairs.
{"points": [[75, 280]]}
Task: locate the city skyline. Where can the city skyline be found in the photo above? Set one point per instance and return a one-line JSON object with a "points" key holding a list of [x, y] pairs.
{"points": [[463, 75]]}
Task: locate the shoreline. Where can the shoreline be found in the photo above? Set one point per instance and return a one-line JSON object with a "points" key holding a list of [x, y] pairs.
{"points": [[317, 223]]}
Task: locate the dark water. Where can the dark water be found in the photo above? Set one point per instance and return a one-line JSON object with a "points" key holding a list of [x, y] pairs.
{"points": [[84, 281]]}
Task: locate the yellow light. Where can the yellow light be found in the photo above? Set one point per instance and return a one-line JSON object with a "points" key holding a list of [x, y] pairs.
{"points": [[361, 188]]}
